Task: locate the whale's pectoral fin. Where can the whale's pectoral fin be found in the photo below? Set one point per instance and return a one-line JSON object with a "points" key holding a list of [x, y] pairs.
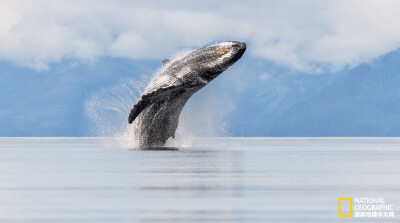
{"points": [[155, 96]]}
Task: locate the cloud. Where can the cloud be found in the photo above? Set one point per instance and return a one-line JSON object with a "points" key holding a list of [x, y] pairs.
{"points": [[306, 35]]}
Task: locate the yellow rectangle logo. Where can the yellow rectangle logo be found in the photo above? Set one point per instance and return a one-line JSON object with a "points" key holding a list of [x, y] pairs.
{"points": [[340, 207]]}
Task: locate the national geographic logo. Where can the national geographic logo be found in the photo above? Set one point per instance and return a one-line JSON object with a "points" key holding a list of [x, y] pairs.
{"points": [[365, 207]]}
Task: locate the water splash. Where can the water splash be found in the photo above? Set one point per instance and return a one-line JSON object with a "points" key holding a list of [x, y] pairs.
{"points": [[206, 112], [108, 110]]}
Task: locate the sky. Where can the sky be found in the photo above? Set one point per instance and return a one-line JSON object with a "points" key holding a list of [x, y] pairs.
{"points": [[66, 64], [306, 35]]}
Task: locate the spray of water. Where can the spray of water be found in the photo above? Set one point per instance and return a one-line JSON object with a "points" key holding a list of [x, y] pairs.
{"points": [[108, 110]]}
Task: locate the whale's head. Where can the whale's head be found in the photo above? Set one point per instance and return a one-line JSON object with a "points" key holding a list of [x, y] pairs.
{"points": [[211, 61]]}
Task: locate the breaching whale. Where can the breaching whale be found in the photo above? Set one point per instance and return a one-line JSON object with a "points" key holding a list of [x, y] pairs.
{"points": [[155, 116]]}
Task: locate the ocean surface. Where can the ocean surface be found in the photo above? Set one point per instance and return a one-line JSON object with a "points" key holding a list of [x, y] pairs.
{"points": [[213, 180]]}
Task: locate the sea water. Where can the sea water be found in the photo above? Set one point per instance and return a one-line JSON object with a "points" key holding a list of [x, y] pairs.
{"points": [[213, 180]]}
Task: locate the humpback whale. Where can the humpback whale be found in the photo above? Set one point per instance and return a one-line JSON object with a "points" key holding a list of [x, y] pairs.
{"points": [[155, 116]]}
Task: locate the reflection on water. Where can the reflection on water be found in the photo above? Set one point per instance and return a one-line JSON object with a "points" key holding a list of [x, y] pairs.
{"points": [[216, 180]]}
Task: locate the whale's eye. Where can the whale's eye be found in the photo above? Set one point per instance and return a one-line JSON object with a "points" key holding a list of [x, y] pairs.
{"points": [[222, 48]]}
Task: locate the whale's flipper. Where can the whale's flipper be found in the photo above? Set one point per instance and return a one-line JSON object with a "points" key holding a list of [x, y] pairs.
{"points": [[155, 96]]}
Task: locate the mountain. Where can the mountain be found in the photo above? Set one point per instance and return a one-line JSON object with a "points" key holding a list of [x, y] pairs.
{"points": [[365, 101]]}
